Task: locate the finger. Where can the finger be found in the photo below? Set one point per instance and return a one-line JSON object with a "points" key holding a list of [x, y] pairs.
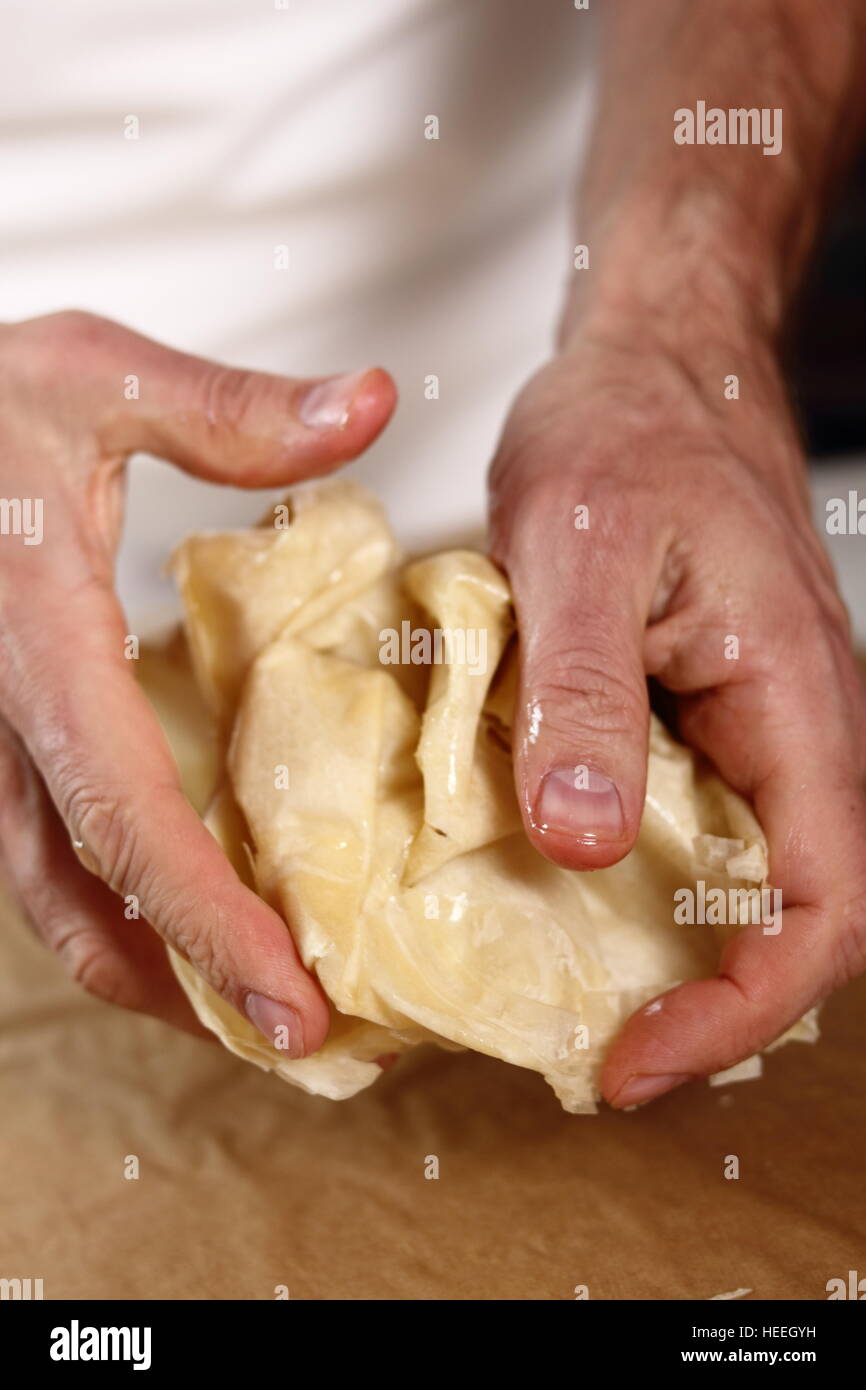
{"points": [[582, 717], [118, 794], [225, 424], [802, 774], [118, 959]]}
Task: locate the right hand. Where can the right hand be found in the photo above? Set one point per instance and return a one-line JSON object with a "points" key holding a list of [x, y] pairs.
{"points": [[90, 801], [700, 567]]}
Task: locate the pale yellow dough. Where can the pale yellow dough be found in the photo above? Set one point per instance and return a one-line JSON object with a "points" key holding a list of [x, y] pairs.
{"points": [[373, 806]]}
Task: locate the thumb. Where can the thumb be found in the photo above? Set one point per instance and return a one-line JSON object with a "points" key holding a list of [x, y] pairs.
{"points": [[582, 717], [226, 424], [131, 824]]}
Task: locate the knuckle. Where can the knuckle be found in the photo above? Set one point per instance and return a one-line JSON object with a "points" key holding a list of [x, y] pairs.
{"points": [[598, 696], [564, 493], [66, 329], [197, 939], [38, 350], [74, 323], [849, 959], [229, 394], [530, 478], [787, 615], [91, 963], [100, 828]]}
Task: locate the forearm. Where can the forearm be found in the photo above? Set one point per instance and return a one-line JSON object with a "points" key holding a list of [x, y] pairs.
{"points": [[717, 231]]}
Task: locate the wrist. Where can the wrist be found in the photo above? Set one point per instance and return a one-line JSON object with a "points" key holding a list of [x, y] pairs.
{"points": [[686, 333], [697, 266]]}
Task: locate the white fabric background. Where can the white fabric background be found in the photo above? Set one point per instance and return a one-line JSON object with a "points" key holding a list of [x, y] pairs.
{"points": [[303, 127]]}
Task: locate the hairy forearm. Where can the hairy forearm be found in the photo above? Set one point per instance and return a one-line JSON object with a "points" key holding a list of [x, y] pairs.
{"points": [[712, 229]]}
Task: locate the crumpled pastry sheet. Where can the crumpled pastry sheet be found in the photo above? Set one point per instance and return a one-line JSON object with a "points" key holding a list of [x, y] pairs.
{"points": [[373, 806]]}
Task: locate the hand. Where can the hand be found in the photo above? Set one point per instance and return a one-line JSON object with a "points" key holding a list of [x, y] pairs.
{"points": [[699, 529], [83, 761]]}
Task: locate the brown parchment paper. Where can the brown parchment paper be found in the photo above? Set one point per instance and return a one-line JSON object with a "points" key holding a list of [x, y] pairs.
{"points": [[246, 1183]]}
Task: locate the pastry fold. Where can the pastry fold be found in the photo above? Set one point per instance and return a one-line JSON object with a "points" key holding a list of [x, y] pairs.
{"points": [[367, 794]]}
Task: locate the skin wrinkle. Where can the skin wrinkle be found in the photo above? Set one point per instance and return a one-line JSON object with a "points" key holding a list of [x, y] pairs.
{"points": [[692, 266], [52, 718], [852, 942], [704, 588], [101, 535], [62, 413], [608, 704], [50, 897]]}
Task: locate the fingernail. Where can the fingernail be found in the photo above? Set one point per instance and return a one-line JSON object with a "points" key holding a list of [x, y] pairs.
{"points": [[277, 1022], [639, 1089], [580, 803], [326, 405]]}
